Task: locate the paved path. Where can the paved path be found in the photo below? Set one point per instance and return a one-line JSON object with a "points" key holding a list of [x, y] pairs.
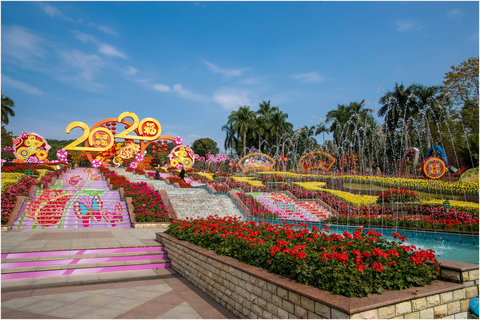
{"points": [[166, 296]]}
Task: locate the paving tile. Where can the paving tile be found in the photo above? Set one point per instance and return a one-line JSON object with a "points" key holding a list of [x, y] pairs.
{"points": [[73, 297], [68, 311], [19, 303], [82, 277], [119, 292], [182, 311], [97, 300], [124, 304], [99, 313], [161, 288], [143, 295]]}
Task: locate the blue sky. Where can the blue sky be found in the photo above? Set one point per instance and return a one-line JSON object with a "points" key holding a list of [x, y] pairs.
{"points": [[189, 64]]}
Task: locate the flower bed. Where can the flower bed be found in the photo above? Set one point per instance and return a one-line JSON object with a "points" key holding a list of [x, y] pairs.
{"points": [[9, 197], [20, 168], [181, 183], [221, 188], [433, 186], [148, 205], [398, 195], [350, 265]]}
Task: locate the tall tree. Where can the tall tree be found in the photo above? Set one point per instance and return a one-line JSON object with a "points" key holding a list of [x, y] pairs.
{"points": [[266, 111], [242, 121], [397, 107], [321, 128], [279, 124], [231, 141], [7, 109], [339, 119], [260, 128], [428, 103], [204, 145]]}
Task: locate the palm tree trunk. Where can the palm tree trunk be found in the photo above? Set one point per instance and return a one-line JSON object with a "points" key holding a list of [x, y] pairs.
{"points": [[429, 143], [244, 143], [259, 143]]}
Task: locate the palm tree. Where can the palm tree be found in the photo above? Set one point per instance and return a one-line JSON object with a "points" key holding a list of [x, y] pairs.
{"points": [[428, 103], [242, 121], [321, 128], [7, 111], [280, 124], [339, 118], [266, 112], [230, 140], [398, 105], [260, 128]]}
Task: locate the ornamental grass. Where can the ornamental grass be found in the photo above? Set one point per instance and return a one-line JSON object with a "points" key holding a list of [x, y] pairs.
{"points": [[350, 265]]}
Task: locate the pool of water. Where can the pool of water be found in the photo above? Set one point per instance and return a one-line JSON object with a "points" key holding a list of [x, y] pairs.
{"points": [[449, 246]]}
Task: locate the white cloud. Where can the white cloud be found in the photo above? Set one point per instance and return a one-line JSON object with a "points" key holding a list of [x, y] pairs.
{"points": [[231, 98], [107, 30], [88, 65], [161, 87], [406, 25], [22, 44], [9, 82], [455, 14], [308, 77], [225, 72], [109, 50], [131, 71], [50, 10], [103, 48], [188, 94]]}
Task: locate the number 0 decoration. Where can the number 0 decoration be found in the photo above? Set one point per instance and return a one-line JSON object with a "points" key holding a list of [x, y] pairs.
{"points": [[102, 135]]}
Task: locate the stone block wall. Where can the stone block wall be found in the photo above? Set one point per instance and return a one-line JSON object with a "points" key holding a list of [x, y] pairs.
{"points": [[251, 292]]}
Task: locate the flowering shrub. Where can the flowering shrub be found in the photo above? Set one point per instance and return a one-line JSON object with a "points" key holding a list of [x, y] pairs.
{"points": [[350, 265], [221, 187], [9, 196], [200, 178], [273, 178], [139, 171], [20, 168], [179, 181], [147, 203], [398, 195], [411, 221]]}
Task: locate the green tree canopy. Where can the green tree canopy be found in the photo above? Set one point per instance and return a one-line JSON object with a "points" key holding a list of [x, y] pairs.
{"points": [[204, 145], [7, 109]]}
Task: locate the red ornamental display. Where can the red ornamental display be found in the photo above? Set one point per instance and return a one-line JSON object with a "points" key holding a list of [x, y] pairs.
{"points": [[433, 168]]}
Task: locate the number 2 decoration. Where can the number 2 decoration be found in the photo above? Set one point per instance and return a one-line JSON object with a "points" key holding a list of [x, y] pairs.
{"points": [[99, 139]]}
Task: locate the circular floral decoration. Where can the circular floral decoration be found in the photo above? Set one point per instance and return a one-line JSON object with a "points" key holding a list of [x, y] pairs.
{"points": [[33, 159], [96, 163], [139, 157], [178, 141], [134, 165]]}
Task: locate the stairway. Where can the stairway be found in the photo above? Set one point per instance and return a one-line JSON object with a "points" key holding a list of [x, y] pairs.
{"points": [[67, 266], [79, 199]]}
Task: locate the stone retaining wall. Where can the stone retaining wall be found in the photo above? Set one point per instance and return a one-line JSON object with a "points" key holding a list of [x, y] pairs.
{"points": [[251, 292]]}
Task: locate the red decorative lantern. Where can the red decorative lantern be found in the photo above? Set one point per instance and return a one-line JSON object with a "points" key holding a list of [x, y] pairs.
{"points": [[153, 151], [113, 132], [164, 149]]}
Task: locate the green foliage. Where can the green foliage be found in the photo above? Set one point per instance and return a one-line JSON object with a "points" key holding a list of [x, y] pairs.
{"points": [[7, 137], [204, 145], [57, 145]]}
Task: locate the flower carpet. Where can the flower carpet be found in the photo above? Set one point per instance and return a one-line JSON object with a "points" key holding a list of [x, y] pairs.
{"points": [[287, 208], [78, 199]]}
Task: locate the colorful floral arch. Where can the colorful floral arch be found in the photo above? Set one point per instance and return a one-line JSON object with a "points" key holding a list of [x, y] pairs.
{"points": [[408, 153], [256, 161], [317, 160], [440, 150]]}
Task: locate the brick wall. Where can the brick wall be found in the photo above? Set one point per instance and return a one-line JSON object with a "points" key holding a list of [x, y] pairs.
{"points": [[251, 292]]}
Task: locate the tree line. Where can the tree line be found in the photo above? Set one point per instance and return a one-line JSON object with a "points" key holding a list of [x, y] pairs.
{"points": [[413, 116]]}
